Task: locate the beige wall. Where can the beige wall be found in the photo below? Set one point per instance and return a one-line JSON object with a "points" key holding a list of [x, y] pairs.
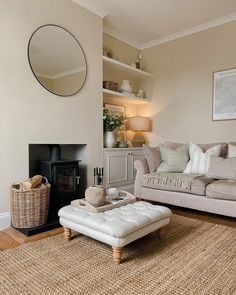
{"points": [[29, 113], [182, 90]]}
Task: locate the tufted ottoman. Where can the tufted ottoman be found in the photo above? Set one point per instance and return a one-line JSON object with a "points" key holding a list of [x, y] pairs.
{"points": [[117, 227]]}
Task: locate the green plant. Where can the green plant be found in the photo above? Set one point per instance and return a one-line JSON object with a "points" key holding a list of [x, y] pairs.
{"points": [[112, 120]]}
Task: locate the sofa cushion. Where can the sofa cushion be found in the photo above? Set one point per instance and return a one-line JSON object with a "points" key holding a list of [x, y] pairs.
{"points": [[223, 146], [221, 168], [205, 146], [232, 150], [222, 189], [199, 160], [189, 183], [153, 157], [174, 160]]}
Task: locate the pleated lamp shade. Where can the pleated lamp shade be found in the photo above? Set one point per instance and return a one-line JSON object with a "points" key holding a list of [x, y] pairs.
{"points": [[139, 123]]}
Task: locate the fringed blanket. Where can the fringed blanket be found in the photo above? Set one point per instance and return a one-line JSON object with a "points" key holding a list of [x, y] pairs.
{"points": [[179, 181]]}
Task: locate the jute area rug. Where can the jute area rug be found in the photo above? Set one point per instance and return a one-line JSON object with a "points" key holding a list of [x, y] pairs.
{"points": [[195, 258]]}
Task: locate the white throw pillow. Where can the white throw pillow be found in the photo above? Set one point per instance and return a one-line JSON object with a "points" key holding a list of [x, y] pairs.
{"points": [[199, 160], [232, 151]]}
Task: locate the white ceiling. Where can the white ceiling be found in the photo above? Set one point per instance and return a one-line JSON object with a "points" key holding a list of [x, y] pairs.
{"points": [[144, 23]]}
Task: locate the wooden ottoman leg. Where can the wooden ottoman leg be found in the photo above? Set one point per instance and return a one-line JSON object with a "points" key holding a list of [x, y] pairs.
{"points": [[162, 232], [117, 254], [67, 233]]}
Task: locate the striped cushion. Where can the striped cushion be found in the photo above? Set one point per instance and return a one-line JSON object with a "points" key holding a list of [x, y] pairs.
{"points": [[199, 161], [232, 151], [221, 168]]}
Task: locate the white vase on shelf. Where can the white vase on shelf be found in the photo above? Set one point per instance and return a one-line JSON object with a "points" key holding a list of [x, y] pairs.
{"points": [[126, 87], [109, 139]]}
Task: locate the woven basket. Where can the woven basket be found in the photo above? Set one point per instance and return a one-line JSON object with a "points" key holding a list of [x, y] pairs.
{"points": [[29, 208]]}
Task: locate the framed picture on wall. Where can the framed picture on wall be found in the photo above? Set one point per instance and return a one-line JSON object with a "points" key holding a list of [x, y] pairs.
{"points": [[224, 95], [120, 110]]}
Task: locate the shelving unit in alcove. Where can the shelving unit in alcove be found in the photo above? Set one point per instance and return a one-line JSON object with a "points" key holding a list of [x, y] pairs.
{"points": [[129, 73], [119, 168]]}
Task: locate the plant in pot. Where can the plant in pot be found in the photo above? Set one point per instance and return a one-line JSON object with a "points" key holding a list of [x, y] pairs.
{"points": [[111, 121]]}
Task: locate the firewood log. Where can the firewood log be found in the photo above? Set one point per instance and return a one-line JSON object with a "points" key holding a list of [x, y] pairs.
{"points": [[32, 182]]}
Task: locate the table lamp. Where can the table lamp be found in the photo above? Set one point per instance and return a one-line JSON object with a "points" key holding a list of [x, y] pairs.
{"points": [[138, 124]]}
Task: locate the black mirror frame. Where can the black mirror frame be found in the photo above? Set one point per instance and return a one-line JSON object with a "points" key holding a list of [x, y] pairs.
{"points": [[85, 78]]}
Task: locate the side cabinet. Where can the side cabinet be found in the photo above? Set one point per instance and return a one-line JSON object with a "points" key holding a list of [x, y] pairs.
{"points": [[119, 167]]}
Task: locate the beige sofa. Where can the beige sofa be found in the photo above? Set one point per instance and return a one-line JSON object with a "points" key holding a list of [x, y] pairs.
{"points": [[209, 195]]}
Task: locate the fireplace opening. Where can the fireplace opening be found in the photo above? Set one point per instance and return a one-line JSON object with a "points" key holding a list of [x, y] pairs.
{"points": [[65, 167]]}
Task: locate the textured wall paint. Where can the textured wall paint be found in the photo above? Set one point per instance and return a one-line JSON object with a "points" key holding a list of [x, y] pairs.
{"points": [[29, 113]]}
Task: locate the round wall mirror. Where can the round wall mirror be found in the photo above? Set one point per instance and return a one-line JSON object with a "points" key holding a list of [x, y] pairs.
{"points": [[57, 60]]}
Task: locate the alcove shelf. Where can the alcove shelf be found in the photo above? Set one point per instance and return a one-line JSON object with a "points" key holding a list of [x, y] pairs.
{"points": [[129, 71], [114, 96]]}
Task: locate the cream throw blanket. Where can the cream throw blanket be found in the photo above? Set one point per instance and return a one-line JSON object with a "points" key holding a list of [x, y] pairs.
{"points": [[178, 180]]}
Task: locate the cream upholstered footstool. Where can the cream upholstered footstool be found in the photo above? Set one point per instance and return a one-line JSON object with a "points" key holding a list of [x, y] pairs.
{"points": [[117, 227]]}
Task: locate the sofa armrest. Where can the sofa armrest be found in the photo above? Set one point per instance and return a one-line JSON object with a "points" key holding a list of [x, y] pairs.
{"points": [[142, 168]]}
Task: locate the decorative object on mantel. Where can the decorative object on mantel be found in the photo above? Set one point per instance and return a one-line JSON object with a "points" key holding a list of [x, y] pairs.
{"points": [[139, 124], [29, 208], [224, 94], [112, 120], [95, 195], [110, 85], [126, 87]]}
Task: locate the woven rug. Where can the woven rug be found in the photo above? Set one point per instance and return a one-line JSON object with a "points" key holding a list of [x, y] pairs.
{"points": [[195, 258]]}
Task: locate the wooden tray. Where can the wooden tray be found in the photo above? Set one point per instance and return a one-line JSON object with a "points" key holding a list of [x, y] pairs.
{"points": [[128, 199]]}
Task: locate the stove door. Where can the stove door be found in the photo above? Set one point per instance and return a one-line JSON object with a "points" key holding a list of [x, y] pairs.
{"points": [[65, 178]]}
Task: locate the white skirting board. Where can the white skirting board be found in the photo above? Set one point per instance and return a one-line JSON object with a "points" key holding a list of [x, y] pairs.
{"points": [[5, 220]]}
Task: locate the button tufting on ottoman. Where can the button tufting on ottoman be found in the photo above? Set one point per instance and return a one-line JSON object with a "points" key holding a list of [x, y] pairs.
{"points": [[117, 227]]}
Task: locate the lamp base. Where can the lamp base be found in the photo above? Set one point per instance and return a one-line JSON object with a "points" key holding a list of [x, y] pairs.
{"points": [[138, 140]]}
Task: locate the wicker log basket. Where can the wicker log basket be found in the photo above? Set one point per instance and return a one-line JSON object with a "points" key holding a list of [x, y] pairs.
{"points": [[29, 208]]}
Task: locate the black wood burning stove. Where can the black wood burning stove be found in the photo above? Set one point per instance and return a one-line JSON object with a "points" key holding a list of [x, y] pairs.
{"points": [[63, 175], [64, 179]]}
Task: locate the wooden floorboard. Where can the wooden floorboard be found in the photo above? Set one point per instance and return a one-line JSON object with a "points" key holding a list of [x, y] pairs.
{"points": [[7, 242], [10, 238]]}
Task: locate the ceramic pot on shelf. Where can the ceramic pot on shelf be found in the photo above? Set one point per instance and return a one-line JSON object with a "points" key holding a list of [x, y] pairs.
{"points": [[126, 86], [109, 139]]}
